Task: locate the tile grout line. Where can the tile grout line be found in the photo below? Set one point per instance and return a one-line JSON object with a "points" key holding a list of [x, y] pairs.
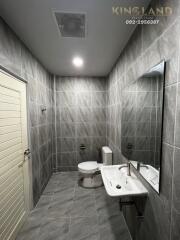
{"points": [[55, 135]]}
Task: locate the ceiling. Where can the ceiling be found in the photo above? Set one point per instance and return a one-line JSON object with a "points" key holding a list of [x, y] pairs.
{"points": [[106, 34]]}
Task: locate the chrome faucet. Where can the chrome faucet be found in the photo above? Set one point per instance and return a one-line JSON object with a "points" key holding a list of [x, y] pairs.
{"points": [[128, 168], [139, 165]]}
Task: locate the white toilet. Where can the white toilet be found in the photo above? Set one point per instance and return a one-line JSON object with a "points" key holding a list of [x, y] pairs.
{"points": [[90, 171]]}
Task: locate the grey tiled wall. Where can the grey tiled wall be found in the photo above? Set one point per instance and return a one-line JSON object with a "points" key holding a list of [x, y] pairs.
{"points": [[17, 59], [147, 47], [80, 111]]}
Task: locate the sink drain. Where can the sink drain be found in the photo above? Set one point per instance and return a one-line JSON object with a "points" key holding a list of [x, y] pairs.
{"points": [[118, 187]]}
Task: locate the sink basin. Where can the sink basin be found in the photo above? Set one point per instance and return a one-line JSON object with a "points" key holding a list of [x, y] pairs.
{"points": [[118, 184]]}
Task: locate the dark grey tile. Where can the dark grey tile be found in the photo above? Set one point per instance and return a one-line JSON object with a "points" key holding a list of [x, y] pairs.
{"points": [[41, 96], [99, 99], [33, 114], [36, 186], [81, 192], [84, 129], [169, 114], [43, 154], [68, 115], [32, 89], [65, 84], [128, 129], [175, 231], [67, 159], [60, 207], [64, 177], [66, 144], [83, 206], [66, 168], [84, 99], [66, 99], [144, 99], [99, 129], [42, 134], [171, 69], [83, 84], [50, 188], [44, 175], [144, 114], [113, 227], [41, 74], [34, 138], [89, 231], [98, 84], [169, 39], [166, 176], [142, 143], [105, 205], [129, 114], [29, 64], [97, 144], [98, 114], [143, 129], [56, 229], [30, 229], [129, 99], [10, 47], [35, 162], [67, 130], [84, 114], [118, 136], [177, 130], [176, 180], [44, 201], [151, 57], [134, 46], [146, 85]]}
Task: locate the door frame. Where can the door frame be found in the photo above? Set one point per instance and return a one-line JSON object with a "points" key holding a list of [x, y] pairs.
{"points": [[27, 169]]}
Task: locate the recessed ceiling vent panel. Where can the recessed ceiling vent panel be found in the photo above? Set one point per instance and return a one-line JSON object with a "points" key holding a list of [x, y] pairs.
{"points": [[71, 24]]}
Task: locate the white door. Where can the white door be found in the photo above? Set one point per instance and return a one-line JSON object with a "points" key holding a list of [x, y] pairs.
{"points": [[14, 174]]}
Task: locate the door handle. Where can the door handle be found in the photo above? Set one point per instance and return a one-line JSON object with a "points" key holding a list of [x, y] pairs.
{"points": [[27, 152]]}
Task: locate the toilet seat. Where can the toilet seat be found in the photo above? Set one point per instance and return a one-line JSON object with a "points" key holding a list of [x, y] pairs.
{"points": [[88, 167]]}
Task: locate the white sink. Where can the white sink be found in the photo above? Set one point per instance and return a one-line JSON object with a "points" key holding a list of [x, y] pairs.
{"points": [[118, 184]]}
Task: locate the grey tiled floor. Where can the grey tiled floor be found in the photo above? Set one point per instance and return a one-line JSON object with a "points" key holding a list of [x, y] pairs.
{"points": [[66, 211]]}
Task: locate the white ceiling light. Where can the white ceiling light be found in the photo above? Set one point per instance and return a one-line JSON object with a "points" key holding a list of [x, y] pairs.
{"points": [[77, 62]]}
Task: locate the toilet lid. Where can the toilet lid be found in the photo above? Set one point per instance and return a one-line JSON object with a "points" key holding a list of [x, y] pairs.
{"points": [[90, 166]]}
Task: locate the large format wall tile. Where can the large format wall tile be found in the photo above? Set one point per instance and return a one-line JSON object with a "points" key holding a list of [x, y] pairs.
{"points": [[176, 180], [177, 129], [169, 114], [80, 119]]}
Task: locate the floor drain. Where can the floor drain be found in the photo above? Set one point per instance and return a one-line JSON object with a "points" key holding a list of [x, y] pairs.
{"points": [[118, 187]]}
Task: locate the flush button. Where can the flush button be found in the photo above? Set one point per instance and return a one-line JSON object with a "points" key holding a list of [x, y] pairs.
{"points": [[118, 187]]}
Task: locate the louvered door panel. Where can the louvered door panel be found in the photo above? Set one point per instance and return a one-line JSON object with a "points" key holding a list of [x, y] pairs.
{"points": [[12, 194]]}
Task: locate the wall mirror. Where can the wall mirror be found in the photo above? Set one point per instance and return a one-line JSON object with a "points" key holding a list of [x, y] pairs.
{"points": [[142, 123]]}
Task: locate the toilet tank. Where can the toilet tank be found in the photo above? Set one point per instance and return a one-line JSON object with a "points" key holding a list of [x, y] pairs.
{"points": [[106, 156]]}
